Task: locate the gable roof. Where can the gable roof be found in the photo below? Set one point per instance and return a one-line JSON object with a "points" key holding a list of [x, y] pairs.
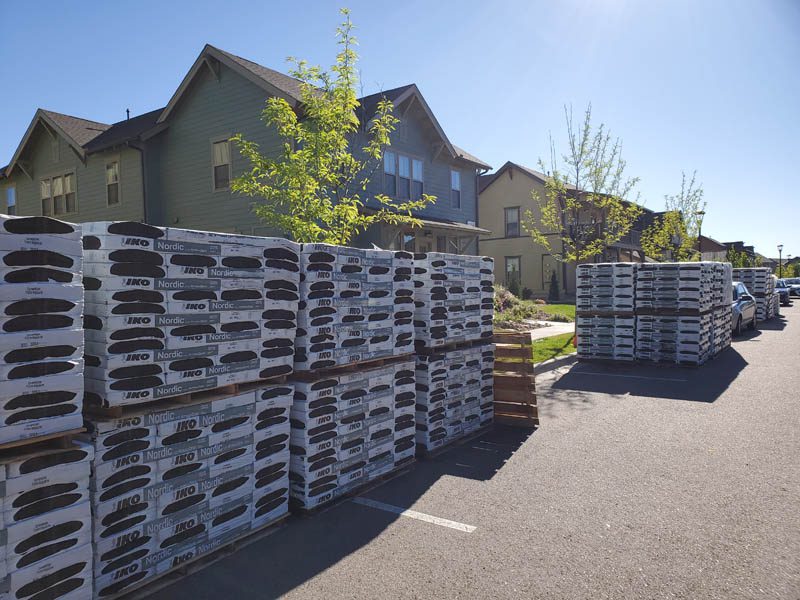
{"points": [[271, 81], [487, 180], [76, 131]]}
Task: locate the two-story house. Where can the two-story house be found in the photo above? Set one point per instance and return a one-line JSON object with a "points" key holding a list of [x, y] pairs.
{"points": [[173, 166], [505, 197]]}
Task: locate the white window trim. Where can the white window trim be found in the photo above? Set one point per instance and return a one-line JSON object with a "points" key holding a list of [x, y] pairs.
{"points": [[50, 177], [215, 140], [108, 161]]}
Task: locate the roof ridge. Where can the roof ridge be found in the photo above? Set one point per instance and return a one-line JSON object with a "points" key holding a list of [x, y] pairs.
{"points": [[60, 114]]}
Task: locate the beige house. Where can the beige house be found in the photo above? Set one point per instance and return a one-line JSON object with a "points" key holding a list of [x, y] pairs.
{"points": [[504, 198]]}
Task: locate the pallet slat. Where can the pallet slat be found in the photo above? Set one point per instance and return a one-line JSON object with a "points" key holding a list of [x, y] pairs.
{"points": [[61, 436], [514, 380]]}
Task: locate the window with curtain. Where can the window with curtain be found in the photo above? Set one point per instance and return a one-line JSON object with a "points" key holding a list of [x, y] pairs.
{"points": [[112, 183], [58, 195], [222, 165], [11, 200], [69, 193], [512, 221], [416, 179], [389, 174], [455, 189], [59, 203]]}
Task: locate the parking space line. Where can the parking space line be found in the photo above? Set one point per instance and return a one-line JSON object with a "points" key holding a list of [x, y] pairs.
{"points": [[404, 512], [630, 376]]}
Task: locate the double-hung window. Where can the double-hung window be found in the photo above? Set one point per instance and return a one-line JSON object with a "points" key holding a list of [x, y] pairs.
{"points": [[512, 269], [390, 174], [11, 200], [512, 221], [404, 177], [112, 183], [222, 165], [58, 195], [416, 179], [455, 189]]}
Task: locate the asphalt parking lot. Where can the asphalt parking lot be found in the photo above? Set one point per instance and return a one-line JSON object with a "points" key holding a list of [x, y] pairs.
{"points": [[655, 482]]}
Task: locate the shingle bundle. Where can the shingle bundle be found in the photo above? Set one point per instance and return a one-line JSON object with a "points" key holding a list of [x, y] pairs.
{"points": [[453, 298], [172, 484], [356, 305], [172, 311], [760, 282], [349, 428], [45, 540], [681, 310], [455, 394], [41, 330], [604, 299]]}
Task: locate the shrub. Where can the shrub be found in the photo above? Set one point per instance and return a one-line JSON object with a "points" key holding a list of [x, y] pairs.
{"points": [[527, 293], [552, 295], [503, 299]]}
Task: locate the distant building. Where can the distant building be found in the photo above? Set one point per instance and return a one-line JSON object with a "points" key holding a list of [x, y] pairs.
{"points": [[711, 249]]}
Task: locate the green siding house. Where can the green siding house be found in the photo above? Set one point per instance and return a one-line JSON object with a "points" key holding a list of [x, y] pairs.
{"points": [[173, 166]]}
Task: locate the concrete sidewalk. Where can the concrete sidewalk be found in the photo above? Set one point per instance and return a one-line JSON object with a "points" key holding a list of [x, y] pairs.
{"points": [[550, 328]]}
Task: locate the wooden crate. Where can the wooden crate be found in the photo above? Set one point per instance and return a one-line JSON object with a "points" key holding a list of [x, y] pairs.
{"points": [[514, 380]]}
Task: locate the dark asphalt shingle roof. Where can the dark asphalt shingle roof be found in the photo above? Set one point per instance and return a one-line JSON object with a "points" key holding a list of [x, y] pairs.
{"points": [[287, 84], [123, 131], [82, 131]]}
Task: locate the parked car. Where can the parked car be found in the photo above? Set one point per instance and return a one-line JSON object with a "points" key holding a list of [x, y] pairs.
{"points": [[784, 290], [743, 307], [794, 286]]}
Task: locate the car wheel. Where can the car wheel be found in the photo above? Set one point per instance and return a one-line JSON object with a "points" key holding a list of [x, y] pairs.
{"points": [[738, 331], [752, 326]]}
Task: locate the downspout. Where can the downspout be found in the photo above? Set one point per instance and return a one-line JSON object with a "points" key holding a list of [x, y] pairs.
{"points": [[141, 148]]}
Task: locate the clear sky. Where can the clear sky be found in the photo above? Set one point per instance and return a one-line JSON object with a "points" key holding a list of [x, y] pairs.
{"points": [[711, 85]]}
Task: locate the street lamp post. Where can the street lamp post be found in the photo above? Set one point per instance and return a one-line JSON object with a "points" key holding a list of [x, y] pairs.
{"points": [[700, 214], [780, 261]]}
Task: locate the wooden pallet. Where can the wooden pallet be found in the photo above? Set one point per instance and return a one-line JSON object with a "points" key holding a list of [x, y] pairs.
{"points": [[232, 389], [421, 349], [61, 439], [150, 586], [425, 454], [514, 380], [350, 367], [398, 471]]}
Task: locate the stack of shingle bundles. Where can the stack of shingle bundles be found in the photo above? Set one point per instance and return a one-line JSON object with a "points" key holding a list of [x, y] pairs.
{"points": [[355, 306], [347, 429], [172, 311], [761, 284], [455, 394], [487, 296], [172, 484], [723, 295], [451, 299], [45, 541], [41, 328], [605, 305], [675, 304]]}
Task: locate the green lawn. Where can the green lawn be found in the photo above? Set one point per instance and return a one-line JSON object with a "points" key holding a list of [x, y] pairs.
{"points": [[565, 310], [551, 347], [526, 309]]}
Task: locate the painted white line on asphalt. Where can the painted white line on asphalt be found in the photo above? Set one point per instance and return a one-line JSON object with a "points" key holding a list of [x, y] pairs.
{"points": [[484, 449], [404, 512], [630, 376]]}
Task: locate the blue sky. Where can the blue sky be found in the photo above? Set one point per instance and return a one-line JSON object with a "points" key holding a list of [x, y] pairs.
{"points": [[709, 85]]}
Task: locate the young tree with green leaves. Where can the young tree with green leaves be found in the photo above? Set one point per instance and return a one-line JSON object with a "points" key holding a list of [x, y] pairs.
{"points": [[738, 260], [314, 190], [673, 235], [586, 205]]}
